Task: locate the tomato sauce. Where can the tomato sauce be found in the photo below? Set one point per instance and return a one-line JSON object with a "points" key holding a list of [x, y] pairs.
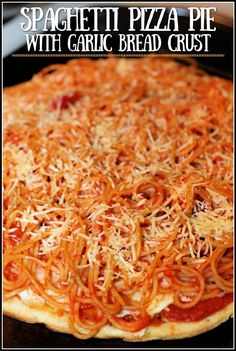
{"points": [[202, 309], [65, 101], [15, 236], [9, 272], [12, 136], [88, 312]]}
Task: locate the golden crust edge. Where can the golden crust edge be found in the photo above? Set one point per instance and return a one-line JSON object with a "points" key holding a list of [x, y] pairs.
{"points": [[15, 308]]}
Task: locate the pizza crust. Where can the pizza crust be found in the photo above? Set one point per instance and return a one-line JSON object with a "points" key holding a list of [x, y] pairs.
{"points": [[15, 308]]}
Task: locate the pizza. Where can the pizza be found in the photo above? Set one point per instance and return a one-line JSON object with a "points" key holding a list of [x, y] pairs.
{"points": [[118, 199]]}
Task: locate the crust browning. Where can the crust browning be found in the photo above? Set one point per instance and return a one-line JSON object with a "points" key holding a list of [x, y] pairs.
{"points": [[171, 330]]}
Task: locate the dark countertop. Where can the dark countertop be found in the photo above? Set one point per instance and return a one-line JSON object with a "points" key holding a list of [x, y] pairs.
{"points": [[18, 334]]}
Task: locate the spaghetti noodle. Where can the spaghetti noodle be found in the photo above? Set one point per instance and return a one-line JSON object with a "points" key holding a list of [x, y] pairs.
{"points": [[118, 189]]}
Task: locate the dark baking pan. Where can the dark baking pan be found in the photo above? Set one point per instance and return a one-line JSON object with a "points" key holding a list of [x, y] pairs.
{"points": [[17, 334]]}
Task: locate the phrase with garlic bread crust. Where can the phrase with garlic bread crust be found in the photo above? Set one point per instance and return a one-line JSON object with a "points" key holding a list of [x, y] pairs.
{"points": [[118, 199]]}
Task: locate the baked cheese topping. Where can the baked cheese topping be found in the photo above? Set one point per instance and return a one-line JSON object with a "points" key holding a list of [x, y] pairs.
{"points": [[118, 190]]}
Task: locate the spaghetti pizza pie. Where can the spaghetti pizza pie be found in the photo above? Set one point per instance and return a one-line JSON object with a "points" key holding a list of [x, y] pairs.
{"points": [[118, 199]]}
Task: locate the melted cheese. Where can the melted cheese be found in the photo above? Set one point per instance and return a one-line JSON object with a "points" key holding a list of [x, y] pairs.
{"points": [[29, 297], [159, 303]]}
